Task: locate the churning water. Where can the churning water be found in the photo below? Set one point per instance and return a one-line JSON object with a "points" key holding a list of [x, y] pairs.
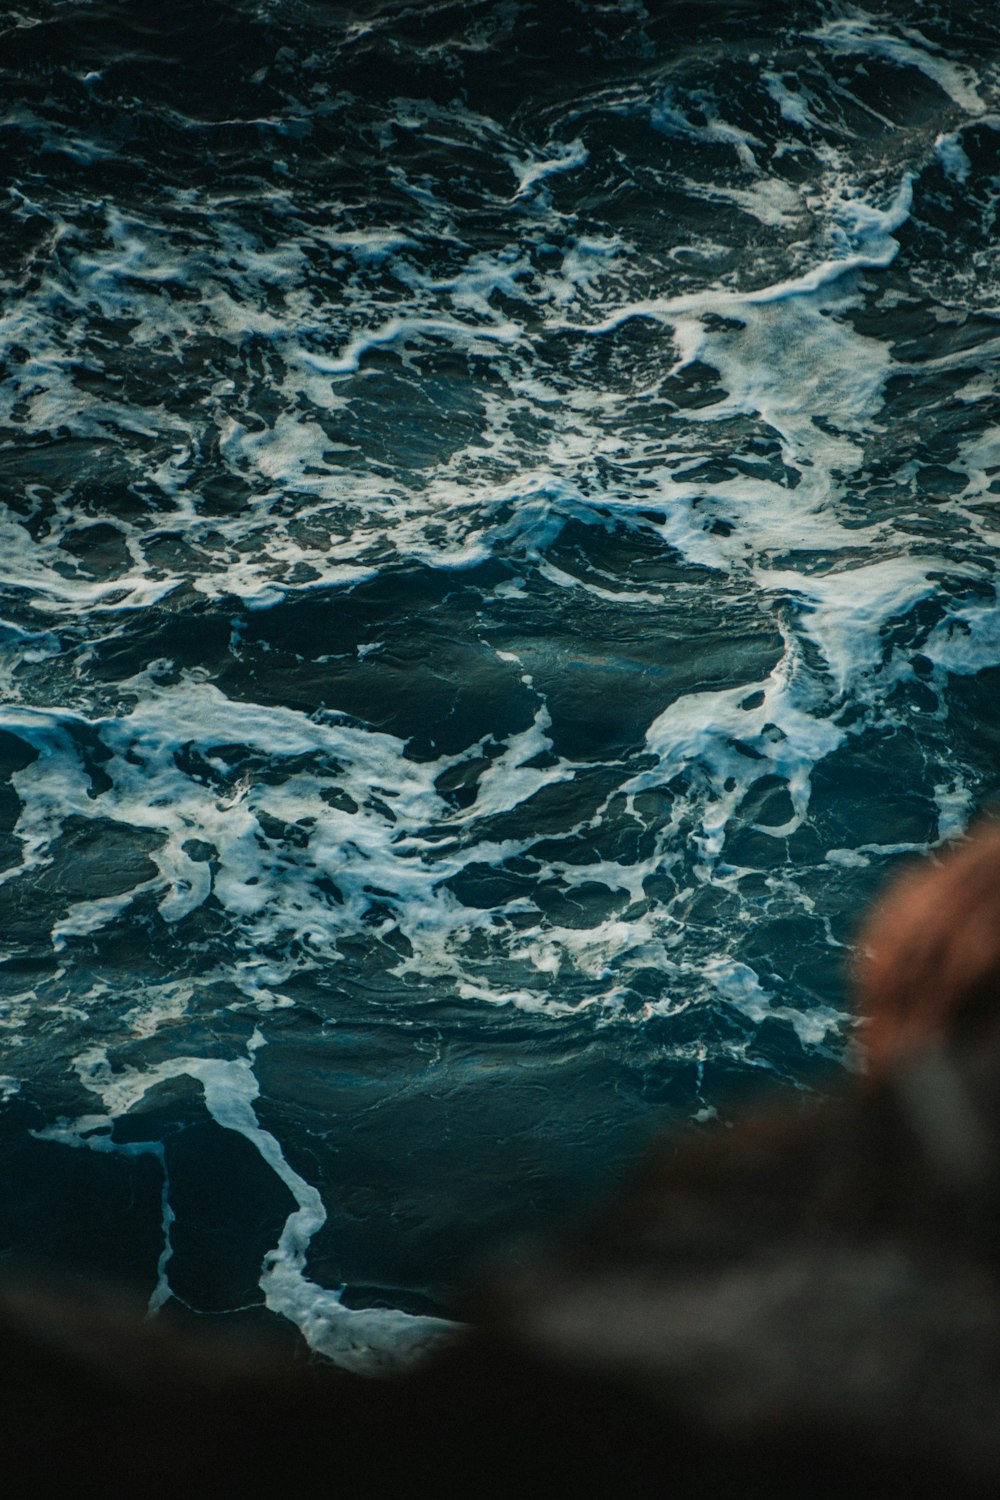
{"points": [[498, 559]]}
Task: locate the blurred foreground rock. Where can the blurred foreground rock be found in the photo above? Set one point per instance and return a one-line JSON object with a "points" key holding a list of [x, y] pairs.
{"points": [[807, 1303]]}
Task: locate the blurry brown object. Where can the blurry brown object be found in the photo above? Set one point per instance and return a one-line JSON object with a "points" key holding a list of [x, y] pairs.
{"points": [[928, 966]]}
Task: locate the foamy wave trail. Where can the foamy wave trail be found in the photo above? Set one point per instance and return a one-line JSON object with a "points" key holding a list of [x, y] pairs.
{"points": [[498, 561]]}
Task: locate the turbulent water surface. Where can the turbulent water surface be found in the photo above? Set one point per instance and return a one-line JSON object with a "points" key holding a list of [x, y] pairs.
{"points": [[498, 559]]}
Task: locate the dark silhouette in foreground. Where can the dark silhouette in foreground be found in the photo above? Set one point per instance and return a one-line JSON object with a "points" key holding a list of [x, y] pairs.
{"points": [[807, 1303]]}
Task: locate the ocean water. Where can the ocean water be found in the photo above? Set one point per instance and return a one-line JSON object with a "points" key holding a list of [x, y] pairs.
{"points": [[498, 562]]}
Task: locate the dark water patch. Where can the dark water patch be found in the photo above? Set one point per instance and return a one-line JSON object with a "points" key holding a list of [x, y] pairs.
{"points": [[86, 1212]]}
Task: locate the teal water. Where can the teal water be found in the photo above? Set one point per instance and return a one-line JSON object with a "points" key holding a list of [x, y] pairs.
{"points": [[498, 564]]}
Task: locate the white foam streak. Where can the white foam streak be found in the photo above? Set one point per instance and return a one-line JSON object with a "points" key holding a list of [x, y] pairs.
{"points": [[272, 891], [968, 640], [368, 1340], [911, 50], [741, 988], [534, 171], [474, 338], [670, 116], [951, 154], [703, 732], [847, 610]]}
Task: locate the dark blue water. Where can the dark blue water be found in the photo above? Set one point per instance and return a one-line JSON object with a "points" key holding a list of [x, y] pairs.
{"points": [[498, 561]]}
